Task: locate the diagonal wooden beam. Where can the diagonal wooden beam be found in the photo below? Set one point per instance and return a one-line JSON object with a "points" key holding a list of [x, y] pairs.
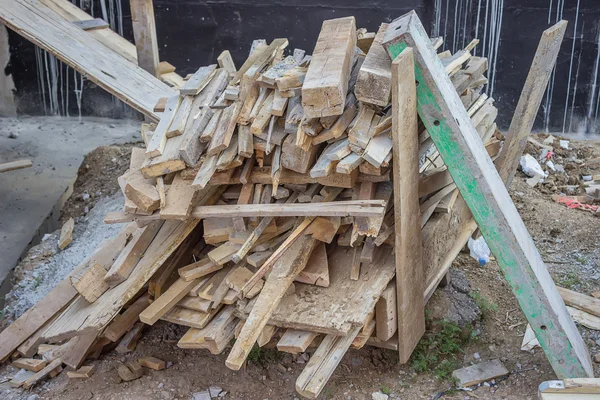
{"points": [[483, 190], [529, 102]]}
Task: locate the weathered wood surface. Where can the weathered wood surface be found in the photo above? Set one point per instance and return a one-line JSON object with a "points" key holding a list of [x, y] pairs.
{"points": [[44, 27], [324, 314], [407, 249], [480, 184]]}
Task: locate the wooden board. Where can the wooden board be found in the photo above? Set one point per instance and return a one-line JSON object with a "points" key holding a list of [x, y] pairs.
{"points": [[482, 188], [44, 27], [529, 102], [374, 82], [144, 33], [324, 314], [81, 317], [326, 83], [409, 272]]}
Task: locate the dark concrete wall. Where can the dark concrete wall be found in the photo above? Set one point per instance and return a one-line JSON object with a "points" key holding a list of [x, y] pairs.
{"points": [[193, 33]]}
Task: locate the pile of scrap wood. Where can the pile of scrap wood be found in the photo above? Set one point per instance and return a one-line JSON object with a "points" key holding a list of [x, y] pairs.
{"points": [[262, 209]]}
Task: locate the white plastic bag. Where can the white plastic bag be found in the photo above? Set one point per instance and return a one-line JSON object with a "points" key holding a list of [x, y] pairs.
{"points": [[479, 250], [531, 167]]}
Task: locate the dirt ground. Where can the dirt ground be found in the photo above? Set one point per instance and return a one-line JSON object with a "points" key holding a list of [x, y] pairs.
{"points": [[566, 238]]}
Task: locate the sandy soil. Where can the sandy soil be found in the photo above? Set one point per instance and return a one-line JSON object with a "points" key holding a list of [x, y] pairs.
{"points": [[566, 238]]}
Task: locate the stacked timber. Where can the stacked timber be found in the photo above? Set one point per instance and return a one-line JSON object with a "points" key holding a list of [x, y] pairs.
{"points": [[261, 209]]}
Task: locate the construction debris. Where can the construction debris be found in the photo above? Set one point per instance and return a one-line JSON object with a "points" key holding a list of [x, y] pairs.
{"points": [[266, 192], [479, 373]]}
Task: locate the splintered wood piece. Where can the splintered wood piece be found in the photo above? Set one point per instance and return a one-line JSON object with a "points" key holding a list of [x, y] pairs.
{"points": [[239, 277], [166, 301], [194, 303], [225, 128], [226, 61], [266, 335], [217, 334], [82, 373], [78, 349], [478, 373], [66, 234], [131, 338], [386, 314], [409, 272], [348, 163], [364, 335], [13, 165], [198, 81], [580, 301], [180, 119], [130, 371], [191, 147], [29, 364], [198, 269], [316, 271], [340, 125], [152, 363], [206, 171], [374, 82], [295, 158], [484, 192], [358, 134], [156, 146], [324, 361], [326, 83], [285, 270], [223, 253], [180, 199], [377, 150], [131, 254], [142, 193], [295, 341], [125, 321], [44, 372]]}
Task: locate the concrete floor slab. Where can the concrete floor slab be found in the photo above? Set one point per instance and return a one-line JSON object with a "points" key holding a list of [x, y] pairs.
{"points": [[56, 146]]}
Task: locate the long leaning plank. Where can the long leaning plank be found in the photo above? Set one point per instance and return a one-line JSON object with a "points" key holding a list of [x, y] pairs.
{"points": [[75, 47], [529, 102], [409, 269], [462, 150]]}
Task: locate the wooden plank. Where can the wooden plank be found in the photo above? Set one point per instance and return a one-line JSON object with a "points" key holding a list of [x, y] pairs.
{"points": [[295, 341], [51, 32], [129, 342], [225, 61], [224, 132], [284, 272], [321, 365], [198, 80], [82, 317], [580, 301], [66, 234], [482, 188], [326, 83], [317, 268], [355, 208], [180, 199], [125, 321], [134, 250], [33, 319], [166, 301], [82, 373], [409, 273], [198, 269], [374, 82], [29, 364], [529, 102], [157, 144], [42, 374], [386, 314], [144, 33], [478, 373], [324, 314], [11, 166]]}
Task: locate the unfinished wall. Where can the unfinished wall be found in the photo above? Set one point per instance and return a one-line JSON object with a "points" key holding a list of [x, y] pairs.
{"points": [[193, 33]]}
